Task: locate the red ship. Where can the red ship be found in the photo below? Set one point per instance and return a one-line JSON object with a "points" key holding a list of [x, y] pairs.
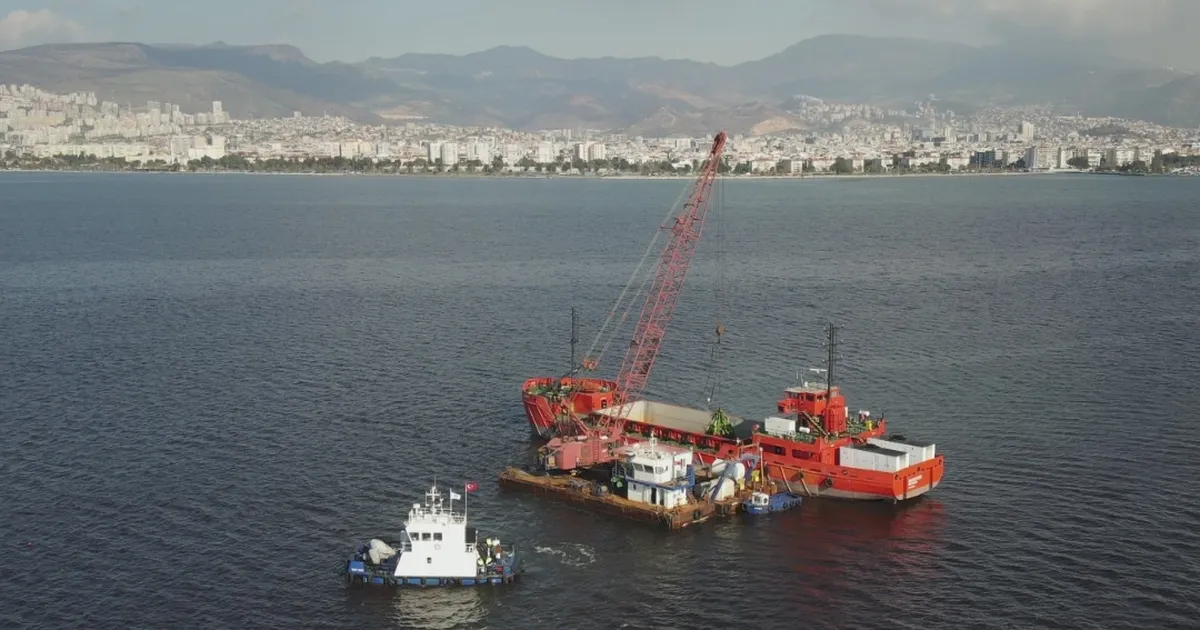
{"points": [[814, 447]]}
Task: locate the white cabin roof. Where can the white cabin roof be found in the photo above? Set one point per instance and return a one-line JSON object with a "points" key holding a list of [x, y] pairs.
{"points": [[809, 388], [434, 512], [652, 450]]}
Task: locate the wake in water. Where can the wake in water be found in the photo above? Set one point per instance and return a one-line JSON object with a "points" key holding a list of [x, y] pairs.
{"points": [[569, 554]]}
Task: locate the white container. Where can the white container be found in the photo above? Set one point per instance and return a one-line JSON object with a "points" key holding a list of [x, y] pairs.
{"points": [[878, 459], [779, 426], [852, 457], [917, 452], [892, 461]]}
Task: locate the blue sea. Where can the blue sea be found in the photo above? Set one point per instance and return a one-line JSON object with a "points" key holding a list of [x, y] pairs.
{"points": [[213, 386]]}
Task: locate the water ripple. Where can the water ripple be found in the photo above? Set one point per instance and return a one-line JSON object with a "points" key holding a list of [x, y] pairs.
{"points": [[211, 387]]}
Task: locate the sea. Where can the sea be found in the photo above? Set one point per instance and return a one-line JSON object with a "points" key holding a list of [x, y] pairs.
{"points": [[213, 386]]}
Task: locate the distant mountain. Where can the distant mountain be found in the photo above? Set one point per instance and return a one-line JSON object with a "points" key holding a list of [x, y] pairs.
{"points": [[521, 88], [852, 67], [1176, 101], [249, 80]]}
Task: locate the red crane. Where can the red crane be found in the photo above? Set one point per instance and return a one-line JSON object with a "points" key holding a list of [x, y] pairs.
{"points": [[593, 443]]}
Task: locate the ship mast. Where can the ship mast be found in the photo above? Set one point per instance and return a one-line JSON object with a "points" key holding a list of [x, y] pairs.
{"points": [[831, 358]]}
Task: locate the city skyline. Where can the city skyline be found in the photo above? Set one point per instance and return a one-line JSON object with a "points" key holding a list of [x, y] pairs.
{"points": [[1153, 31], [42, 126]]}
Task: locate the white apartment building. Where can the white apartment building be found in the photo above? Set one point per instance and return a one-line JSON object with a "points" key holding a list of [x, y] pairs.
{"points": [[449, 153]]}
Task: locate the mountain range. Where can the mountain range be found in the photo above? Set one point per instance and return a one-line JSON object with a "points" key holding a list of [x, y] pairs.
{"points": [[519, 88]]}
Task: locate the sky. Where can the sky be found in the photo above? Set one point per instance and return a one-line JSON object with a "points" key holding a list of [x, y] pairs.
{"points": [[1163, 32]]}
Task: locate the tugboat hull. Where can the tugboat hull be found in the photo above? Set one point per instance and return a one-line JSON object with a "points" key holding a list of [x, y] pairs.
{"points": [[437, 548]]}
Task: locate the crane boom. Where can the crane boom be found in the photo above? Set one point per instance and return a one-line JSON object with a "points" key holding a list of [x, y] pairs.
{"points": [[668, 281], [593, 444]]}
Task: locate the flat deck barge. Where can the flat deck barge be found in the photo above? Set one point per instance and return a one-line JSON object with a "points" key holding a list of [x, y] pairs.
{"points": [[596, 495]]}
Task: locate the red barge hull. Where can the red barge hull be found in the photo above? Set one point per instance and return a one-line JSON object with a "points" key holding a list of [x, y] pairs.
{"points": [[808, 462]]}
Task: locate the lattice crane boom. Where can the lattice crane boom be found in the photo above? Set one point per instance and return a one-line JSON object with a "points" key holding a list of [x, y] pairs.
{"points": [[673, 265], [586, 444]]}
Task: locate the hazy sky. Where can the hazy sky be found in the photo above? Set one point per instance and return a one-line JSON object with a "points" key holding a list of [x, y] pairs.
{"points": [[722, 31]]}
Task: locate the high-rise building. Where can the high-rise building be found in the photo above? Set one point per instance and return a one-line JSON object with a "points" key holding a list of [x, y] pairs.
{"points": [[1041, 158], [154, 111], [1026, 131], [218, 113], [597, 151], [481, 151], [449, 153]]}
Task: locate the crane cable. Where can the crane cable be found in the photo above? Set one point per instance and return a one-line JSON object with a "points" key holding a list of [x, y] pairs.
{"points": [[713, 381], [645, 281]]}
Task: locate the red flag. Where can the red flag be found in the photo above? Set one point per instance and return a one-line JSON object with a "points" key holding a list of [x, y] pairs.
{"points": [[471, 486]]}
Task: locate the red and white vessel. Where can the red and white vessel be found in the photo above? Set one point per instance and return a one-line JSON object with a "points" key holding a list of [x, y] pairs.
{"points": [[813, 446]]}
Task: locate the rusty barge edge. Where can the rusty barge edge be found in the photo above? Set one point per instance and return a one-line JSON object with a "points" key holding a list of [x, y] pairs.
{"points": [[569, 489]]}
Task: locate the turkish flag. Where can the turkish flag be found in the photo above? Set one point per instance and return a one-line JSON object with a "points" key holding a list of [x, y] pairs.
{"points": [[471, 486]]}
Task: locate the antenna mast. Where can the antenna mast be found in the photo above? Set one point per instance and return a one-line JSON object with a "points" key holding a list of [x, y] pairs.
{"points": [[831, 346]]}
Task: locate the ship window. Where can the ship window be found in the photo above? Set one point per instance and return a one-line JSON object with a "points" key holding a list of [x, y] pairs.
{"points": [[425, 536], [603, 404], [428, 560], [437, 535]]}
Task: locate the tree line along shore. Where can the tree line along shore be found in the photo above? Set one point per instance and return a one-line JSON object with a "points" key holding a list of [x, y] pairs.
{"points": [[617, 167]]}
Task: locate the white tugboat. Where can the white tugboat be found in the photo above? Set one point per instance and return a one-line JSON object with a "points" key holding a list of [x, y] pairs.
{"points": [[436, 548]]}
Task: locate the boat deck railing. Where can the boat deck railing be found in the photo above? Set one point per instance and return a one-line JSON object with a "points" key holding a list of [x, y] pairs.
{"points": [[406, 547]]}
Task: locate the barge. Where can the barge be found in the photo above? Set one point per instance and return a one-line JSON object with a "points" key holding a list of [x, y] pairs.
{"points": [[812, 445], [652, 483]]}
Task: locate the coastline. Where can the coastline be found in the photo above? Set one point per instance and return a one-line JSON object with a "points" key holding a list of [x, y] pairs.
{"points": [[727, 176]]}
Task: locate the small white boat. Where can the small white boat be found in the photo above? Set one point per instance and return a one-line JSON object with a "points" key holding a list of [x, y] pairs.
{"points": [[436, 548]]}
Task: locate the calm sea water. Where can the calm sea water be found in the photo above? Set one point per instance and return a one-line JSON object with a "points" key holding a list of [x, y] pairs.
{"points": [[211, 387]]}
